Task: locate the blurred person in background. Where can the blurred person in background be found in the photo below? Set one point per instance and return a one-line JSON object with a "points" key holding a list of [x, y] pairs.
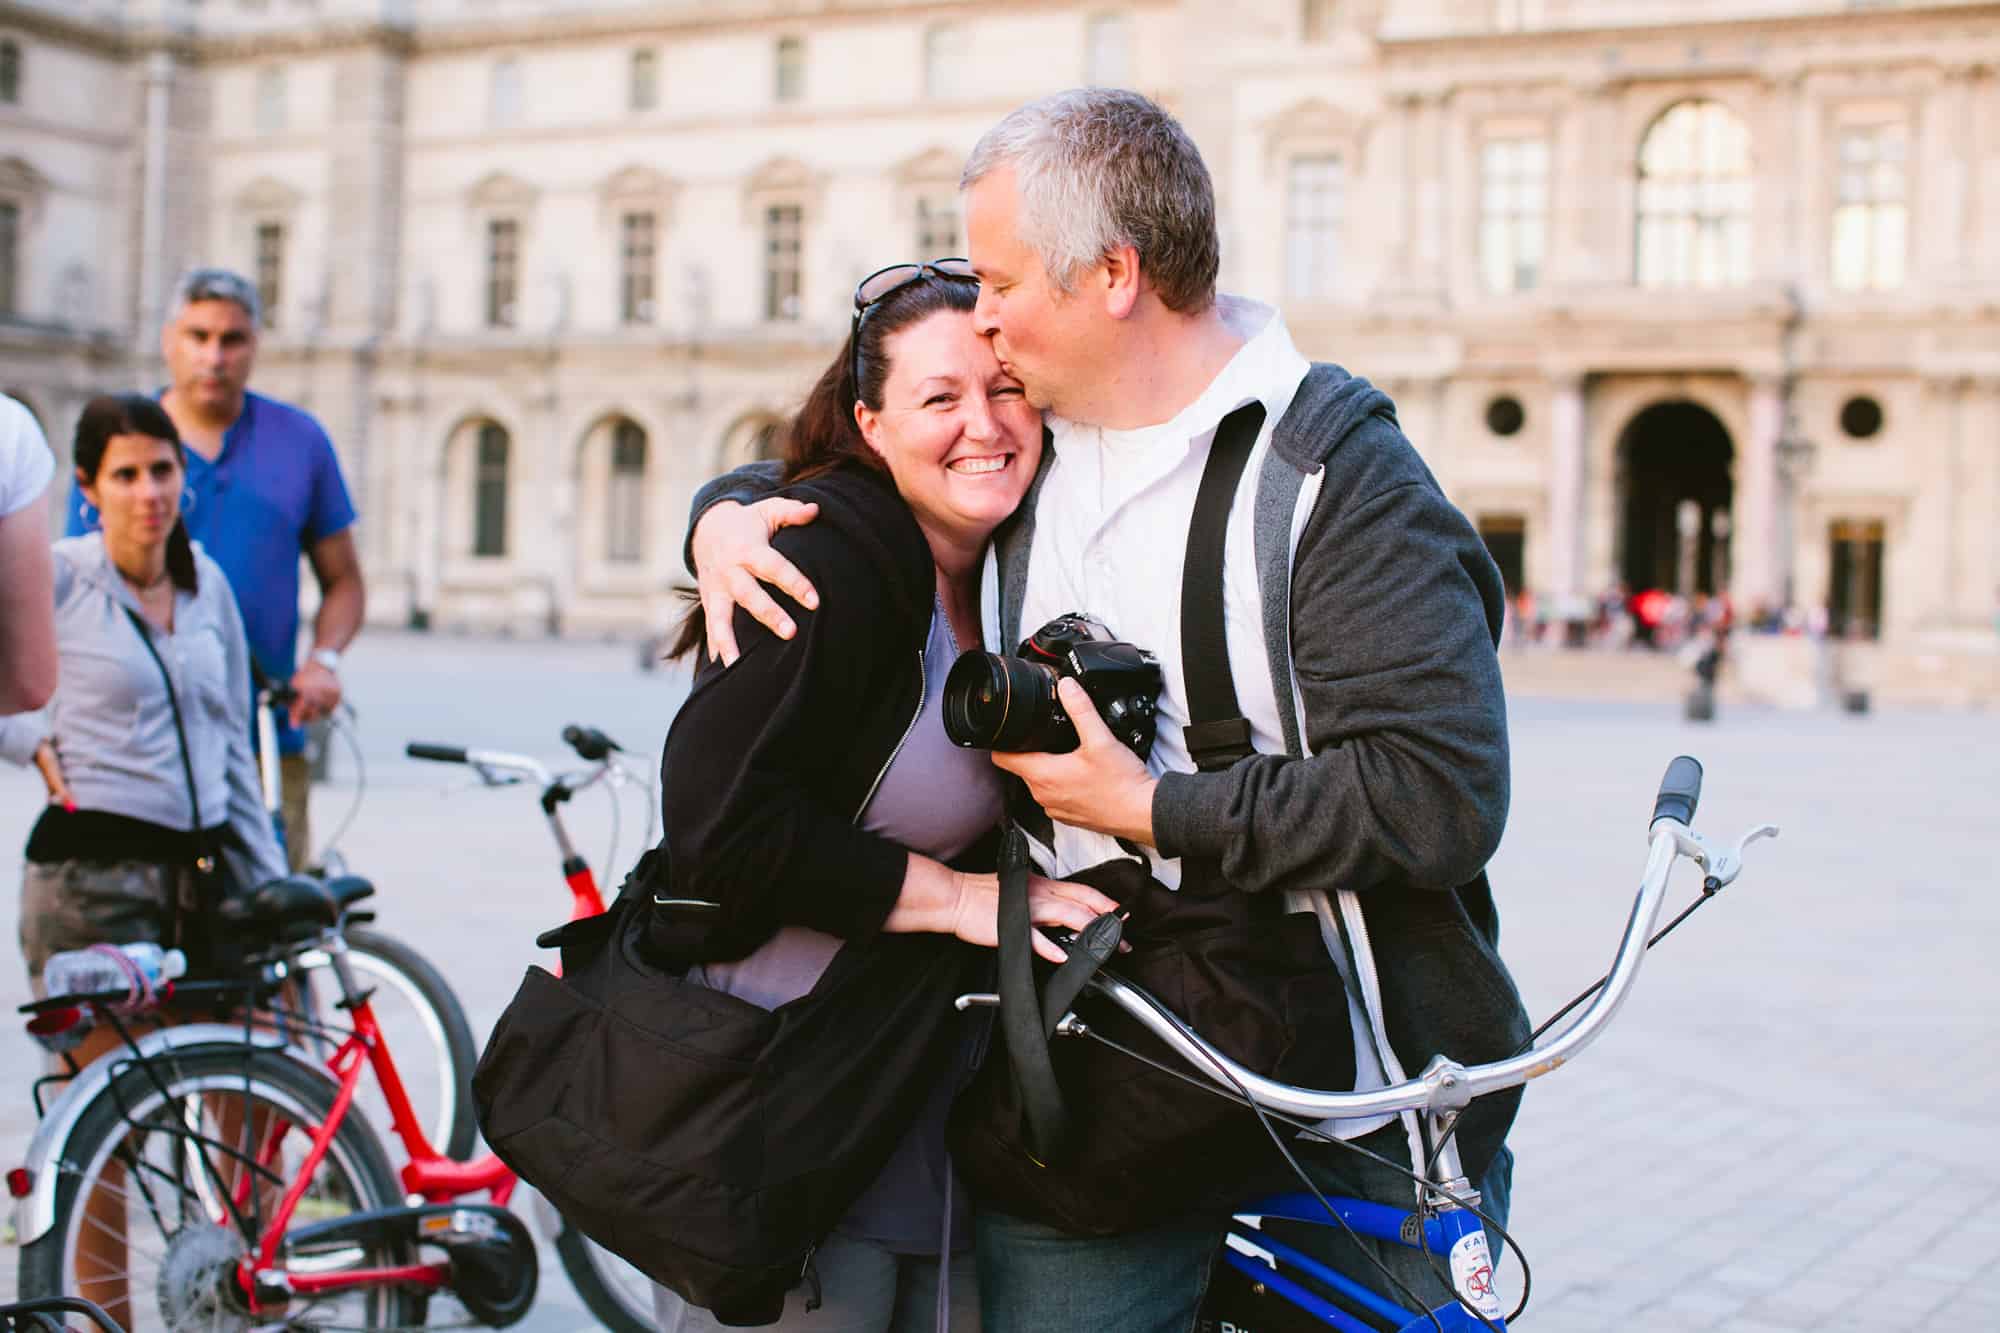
{"points": [[133, 807], [27, 624], [264, 487]]}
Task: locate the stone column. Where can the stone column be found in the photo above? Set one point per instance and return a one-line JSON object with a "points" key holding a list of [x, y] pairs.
{"points": [[153, 200], [1567, 447], [1761, 547]]}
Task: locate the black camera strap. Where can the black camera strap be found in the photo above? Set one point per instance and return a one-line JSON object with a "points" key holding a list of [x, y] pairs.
{"points": [[1217, 733]]}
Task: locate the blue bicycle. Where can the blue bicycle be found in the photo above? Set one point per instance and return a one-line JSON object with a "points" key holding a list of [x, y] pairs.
{"points": [[1264, 1285]]}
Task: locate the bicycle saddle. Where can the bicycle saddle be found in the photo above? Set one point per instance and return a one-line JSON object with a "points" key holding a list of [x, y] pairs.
{"points": [[296, 901]]}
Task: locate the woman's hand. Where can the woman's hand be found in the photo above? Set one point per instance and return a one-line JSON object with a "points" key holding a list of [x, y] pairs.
{"points": [[944, 901], [50, 764], [733, 559]]}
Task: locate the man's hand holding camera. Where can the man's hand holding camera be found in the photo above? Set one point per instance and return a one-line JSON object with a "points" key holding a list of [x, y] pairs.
{"points": [[1101, 785]]}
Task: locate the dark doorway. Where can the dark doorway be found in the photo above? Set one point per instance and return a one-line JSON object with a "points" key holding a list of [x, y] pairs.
{"points": [[1506, 538], [1675, 454], [1854, 585]]}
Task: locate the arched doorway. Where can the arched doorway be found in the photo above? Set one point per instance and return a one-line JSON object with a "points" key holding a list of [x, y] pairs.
{"points": [[1675, 493]]}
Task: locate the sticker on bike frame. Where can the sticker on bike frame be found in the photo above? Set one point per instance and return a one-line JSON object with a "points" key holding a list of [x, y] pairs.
{"points": [[1472, 1273]]}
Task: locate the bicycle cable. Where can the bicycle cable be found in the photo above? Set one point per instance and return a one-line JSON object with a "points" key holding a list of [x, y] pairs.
{"points": [[1264, 1119], [346, 721], [1710, 887]]}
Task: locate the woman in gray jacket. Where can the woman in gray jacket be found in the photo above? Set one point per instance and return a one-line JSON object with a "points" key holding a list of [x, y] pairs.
{"points": [[144, 786]]}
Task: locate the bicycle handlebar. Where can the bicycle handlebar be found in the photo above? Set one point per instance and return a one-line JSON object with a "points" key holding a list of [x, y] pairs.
{"points": [[1445, 1084], [1680, 792], [443, 754]]}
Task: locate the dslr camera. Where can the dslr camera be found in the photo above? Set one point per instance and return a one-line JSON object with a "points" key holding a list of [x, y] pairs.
{"points": [[996, 702]]}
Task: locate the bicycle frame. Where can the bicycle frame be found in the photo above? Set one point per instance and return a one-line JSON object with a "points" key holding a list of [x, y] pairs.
{"points": [[437, 1178], [1455, 1235]]}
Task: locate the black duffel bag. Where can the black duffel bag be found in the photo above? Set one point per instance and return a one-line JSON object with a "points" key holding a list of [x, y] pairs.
{"points": [[709, 1142], [1140, 1146]]}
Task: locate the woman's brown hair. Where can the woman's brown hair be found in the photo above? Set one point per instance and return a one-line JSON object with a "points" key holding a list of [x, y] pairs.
{"points": [[113, 414], [823, 434]]}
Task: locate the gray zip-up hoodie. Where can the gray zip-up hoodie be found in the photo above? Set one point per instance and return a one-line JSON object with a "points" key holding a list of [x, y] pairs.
{"points": [[111, 721]]}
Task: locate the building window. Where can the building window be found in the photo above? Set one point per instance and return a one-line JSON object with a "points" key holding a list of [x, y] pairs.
{"points": [[635, 267], [1854, 585], [1513, 212], [947, 52], [503, 94], [1108, 51], [784, 227], [790, 81], [1316, 19], [1694, 199], [1861, 417], [489, 493], [270, 100], [644, 93], [10, 73], [503, 271], [1871, 213], [1505, 416], [10, 258], [937, 226], [1314, 197], [270, 269], [625, 510]]}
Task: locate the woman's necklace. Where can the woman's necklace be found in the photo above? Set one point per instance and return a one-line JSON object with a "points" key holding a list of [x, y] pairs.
{"points": [[137, 586]]}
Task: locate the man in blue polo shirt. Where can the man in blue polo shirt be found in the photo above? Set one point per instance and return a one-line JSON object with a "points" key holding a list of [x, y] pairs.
{"points": [[264, 488]]}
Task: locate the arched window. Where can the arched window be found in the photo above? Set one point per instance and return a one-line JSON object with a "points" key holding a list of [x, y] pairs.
{"points": [[10, 73], [503, 93], [1315, 203], [625, 501], [1694, 199], [489, 491]]}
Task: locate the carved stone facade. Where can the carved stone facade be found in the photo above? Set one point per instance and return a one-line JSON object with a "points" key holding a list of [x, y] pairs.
{"points": [[1627, 266]]}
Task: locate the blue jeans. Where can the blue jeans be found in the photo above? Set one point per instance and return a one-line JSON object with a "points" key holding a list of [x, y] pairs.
{"points": [[1035, 1279]]}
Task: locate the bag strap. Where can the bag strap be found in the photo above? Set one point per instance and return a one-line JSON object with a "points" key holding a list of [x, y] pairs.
{"points": [[1217, 733], [1020, 1013], [204, 861]]}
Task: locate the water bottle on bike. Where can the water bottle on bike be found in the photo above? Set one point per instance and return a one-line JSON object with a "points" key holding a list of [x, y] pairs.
{"points": [[98, 968], [134, 968]]}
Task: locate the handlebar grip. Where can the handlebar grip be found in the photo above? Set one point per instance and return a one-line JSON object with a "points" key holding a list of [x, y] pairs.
{"points": [[443, 754], [1680, 791], [589, 743]]}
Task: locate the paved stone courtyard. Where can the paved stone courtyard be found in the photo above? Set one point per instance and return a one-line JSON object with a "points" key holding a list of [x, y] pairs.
{"points": [[1789, 1127]]}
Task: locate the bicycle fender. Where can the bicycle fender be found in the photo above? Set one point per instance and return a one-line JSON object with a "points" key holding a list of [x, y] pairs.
{"points": [[35, 1214]]}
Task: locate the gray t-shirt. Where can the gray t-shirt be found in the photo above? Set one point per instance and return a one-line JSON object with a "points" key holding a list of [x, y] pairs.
{"points": [[936, 799]]}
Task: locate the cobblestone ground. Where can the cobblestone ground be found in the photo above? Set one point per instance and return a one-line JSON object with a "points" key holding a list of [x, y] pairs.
{"points": [[1789, 1126]]}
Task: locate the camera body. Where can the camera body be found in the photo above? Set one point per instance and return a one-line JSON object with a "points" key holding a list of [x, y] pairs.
{"points": [[996, 702]]}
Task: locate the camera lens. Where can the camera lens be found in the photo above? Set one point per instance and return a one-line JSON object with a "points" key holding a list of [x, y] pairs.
{"points": [[992, 702]]}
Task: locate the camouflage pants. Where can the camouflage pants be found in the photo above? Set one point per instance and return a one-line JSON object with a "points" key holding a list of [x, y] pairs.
{"points": [[75, 904]]}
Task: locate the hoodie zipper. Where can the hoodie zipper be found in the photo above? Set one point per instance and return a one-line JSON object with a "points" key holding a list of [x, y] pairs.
{"points": [[923, 687]]}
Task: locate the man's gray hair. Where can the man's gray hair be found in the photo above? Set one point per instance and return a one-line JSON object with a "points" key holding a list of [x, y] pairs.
{"points": [[1100, 168], [217, 284]]}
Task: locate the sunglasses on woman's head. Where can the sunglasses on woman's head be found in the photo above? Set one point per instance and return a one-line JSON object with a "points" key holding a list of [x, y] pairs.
{"points": [[884, 283]]}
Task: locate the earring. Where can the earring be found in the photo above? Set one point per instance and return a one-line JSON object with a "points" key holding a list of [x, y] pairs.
{"points": [[87, 512], [187, 501]]}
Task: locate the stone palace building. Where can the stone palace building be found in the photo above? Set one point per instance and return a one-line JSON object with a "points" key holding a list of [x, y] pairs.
{"points": [[1695, 294]]}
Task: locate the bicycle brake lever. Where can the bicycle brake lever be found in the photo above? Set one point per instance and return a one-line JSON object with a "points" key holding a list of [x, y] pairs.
{"points": [[1726, 866]]}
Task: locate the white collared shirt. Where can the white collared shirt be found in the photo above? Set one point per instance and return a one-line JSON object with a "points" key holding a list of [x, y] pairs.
{"points": [[1111, 527], [1110, 536]]}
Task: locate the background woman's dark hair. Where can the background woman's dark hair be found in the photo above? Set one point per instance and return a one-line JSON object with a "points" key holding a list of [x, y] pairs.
{"points": [[823, 435], [113, 414]]}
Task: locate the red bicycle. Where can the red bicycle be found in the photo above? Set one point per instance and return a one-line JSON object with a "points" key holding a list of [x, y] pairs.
{"points": [[212, 1173]]}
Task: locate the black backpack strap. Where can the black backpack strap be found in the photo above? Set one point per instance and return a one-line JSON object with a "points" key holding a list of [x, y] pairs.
{"points": [[1218, 735]]}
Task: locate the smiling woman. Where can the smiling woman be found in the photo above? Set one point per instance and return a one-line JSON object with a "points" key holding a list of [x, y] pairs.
{"points": [[831, 848]]}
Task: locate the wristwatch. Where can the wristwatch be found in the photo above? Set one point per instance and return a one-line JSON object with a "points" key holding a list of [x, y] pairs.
{"points": [[326, 657]]}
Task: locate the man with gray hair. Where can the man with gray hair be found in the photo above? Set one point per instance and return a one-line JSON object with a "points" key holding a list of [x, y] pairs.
{"points": [[264, 488], [1366, 781]]}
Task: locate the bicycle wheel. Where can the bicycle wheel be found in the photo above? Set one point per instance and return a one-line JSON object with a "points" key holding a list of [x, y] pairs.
{"points": [[148, 1225], [424, 1027], [618, 1294]]}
